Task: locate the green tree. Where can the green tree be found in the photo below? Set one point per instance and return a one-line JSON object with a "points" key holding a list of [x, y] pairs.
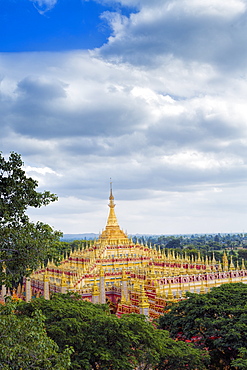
{"points": [[104, 342], [242, 253], [174, 243], [241, 361], [216, 321], [23, 244], [25, 345]]}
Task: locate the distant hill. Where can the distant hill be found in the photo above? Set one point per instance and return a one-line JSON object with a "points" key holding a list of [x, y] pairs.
{"points": [[86, 236], [163, 239], [91, 236]]}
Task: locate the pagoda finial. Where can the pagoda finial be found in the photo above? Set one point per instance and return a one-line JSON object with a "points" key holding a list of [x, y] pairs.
{"points": [[112, 220], [111, 195]]}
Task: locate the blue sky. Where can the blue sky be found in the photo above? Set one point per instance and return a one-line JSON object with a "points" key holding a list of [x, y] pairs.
{"points": [[65, 25], [150, 94]]}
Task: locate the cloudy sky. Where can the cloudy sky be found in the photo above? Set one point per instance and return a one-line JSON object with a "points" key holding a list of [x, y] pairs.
{"points": [[152, 94]]}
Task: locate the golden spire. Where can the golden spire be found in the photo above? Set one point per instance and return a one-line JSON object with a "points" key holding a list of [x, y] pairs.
{"points": [[95, 289], [170, 296], [63, 280], [112, 219], [143, 302], [225, 261], [112, 234], [243, 265], [237, 266], [232, 267], [213, 260]]}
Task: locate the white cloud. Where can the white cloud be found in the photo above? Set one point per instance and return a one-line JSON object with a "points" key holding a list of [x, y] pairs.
{"points": [[43, 6], [207, 32], [217, 8], [41, 174], [210, 6], [200, 211], [154, 109], [39, 170]]}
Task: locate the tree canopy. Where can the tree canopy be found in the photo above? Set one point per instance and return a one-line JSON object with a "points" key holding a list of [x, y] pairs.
{"points": [[25, 345], [216, 321], [104, 342], [24, 245]]}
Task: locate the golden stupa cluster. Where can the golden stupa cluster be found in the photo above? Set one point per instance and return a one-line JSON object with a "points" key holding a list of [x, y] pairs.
{"points": [[130, 277]]}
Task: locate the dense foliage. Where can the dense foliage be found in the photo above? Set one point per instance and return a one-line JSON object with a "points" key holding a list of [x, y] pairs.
{"points": [[201, 242], [104, 342], [216, 321], [24, 245], [25, 345]]}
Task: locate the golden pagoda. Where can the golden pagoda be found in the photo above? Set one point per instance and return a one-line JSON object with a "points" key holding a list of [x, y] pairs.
{"points": [[131, 277]]}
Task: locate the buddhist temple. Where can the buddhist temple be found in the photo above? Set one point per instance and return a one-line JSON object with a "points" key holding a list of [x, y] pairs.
{"points": [[130, 277]]}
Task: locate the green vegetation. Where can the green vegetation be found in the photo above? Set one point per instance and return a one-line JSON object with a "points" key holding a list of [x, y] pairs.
{"points": [[24, 244], [25, 345], [209, 332], [104, 342], [203, 243], [216, 321]]}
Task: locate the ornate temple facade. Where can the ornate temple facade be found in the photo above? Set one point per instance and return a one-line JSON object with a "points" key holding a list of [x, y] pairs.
{"points": [[130, 277]]}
